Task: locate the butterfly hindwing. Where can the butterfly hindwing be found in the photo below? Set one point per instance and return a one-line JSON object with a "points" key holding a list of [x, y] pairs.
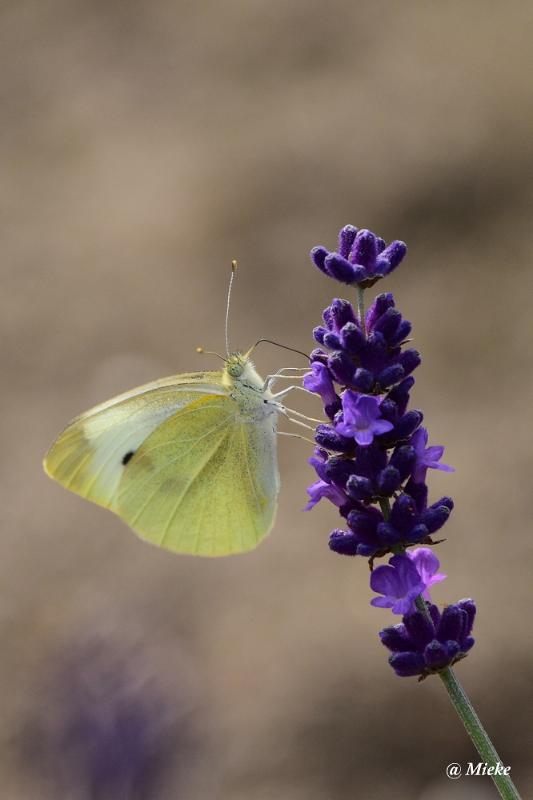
{"points": [[204, 482]]}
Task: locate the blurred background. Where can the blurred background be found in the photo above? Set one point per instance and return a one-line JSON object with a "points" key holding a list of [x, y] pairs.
{"points": [[143, 146]]}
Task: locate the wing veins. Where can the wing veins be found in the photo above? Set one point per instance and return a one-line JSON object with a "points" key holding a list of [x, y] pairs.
{"points": [[253, 486], [128, 396], [182, 496], [183, 412], [163, 466], [151, 475]]}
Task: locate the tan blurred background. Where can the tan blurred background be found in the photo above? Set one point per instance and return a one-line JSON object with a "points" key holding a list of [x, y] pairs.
{"points": [[145, 145]]}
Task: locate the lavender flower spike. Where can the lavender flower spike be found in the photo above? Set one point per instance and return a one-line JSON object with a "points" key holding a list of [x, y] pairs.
{"points": [[362, 418], [374, 455]]}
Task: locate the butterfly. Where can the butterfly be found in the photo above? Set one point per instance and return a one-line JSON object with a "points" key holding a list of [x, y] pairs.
{"points": [[189, 462]]}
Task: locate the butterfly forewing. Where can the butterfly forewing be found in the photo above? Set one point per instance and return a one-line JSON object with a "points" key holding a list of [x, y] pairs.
{"points": [[90, 455]]}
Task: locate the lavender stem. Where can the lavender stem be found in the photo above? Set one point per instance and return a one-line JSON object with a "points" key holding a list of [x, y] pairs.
{"points": [[361, 308], [477, 733]]}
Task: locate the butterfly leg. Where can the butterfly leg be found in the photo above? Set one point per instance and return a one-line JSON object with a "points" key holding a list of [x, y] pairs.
{"points": [[287, 412], [271, 379], [279, 395], [296, 436], [303, 416], [298, 422]]}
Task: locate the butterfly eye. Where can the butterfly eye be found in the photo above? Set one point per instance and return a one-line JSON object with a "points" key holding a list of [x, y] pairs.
{"points": [[235, 370]]}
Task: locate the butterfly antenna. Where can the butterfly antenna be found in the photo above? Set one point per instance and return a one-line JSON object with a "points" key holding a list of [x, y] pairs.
{"points": [[233, 271], [210, 353], [278, 344]]}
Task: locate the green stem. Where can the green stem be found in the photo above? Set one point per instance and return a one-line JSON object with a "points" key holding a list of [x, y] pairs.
{"points": [[361, 308], [384, 504], [477, 733], [465, 710]]}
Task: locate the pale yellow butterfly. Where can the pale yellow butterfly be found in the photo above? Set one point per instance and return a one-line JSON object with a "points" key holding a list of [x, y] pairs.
{"points": [[189, 461]]}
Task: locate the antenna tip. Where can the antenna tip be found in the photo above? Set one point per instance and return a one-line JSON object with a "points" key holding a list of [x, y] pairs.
{"points": [[233, 265], [199, 349]]}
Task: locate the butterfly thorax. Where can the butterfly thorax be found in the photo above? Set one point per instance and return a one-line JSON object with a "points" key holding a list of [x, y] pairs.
{"points": [[247, 387]]}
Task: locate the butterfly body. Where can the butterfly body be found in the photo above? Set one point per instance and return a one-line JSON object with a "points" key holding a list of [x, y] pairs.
{"points": [[189, 462]]}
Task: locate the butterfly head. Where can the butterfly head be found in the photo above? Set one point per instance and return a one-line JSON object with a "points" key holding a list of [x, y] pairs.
{"points": [[239, 372], [236, 364]]}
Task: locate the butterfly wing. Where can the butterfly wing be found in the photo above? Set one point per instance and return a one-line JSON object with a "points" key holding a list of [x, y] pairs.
{"points": [[204, 482], [89, 457]]}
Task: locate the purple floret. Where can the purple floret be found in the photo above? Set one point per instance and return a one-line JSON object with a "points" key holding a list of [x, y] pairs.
{"points": [[319, 381], [404, 579], [361, 418], [362, 257], [421, 646], [321, 489], [426, 457], [427, 565], [399, 584]]}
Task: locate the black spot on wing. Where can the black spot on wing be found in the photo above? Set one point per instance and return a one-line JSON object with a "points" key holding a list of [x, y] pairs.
{"points": [[129, 455]]}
